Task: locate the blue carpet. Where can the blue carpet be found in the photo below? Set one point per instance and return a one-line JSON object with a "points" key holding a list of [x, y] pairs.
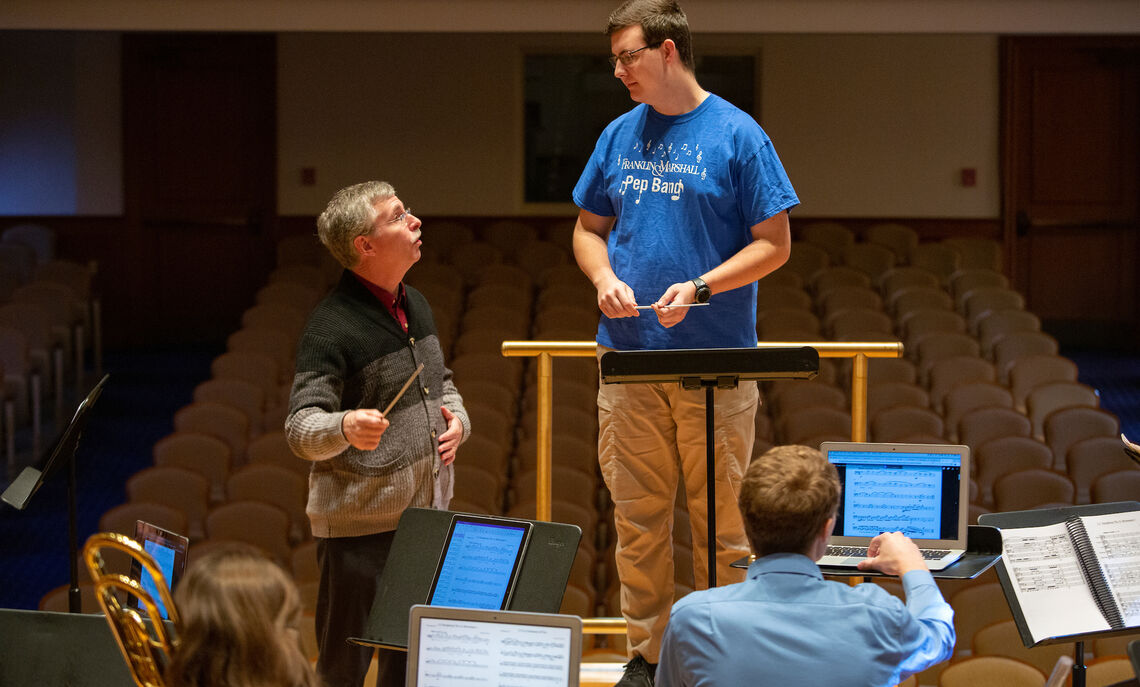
{"points": [[1117, 377], [135, 410]]}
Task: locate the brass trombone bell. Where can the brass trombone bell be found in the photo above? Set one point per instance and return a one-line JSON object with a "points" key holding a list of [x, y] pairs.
{"points": [[146, 647]]}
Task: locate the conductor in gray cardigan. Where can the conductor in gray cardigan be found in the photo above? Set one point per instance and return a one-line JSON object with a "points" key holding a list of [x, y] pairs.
{"points": [[361, 343]]}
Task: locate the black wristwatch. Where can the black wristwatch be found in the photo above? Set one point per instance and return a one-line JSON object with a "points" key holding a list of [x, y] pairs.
{"points": [[704, 293]]}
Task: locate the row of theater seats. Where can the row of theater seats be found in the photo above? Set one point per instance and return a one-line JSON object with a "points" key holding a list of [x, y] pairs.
{"points": [[49, 324]]}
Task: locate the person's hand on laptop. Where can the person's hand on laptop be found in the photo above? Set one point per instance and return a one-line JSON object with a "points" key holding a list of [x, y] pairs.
{"points": [[893, 553]]}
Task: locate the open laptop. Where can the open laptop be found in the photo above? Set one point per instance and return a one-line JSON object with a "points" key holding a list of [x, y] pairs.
{"points": [[492, 648], [168, 550], [921, 490]]}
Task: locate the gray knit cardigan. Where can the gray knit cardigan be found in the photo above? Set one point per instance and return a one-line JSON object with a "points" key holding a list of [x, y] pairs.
{"points": [[353, 354]]}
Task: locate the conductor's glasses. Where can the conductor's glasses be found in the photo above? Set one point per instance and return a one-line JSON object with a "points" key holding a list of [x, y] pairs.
{"points": [[402, 217], [628, 57]]}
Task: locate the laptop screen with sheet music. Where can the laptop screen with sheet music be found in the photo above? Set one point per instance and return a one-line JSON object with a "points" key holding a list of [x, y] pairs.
{"points": [[916, 489], [492, 648]]}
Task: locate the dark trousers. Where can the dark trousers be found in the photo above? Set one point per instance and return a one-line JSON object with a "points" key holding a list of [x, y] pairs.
{"points": [[350, 570]]}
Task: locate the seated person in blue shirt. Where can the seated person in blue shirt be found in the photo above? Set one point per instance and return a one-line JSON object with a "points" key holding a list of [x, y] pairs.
{"points": [[785, 625]]}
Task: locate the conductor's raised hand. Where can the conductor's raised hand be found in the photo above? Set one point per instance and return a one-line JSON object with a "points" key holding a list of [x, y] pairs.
{"points": [[364, 427], [616, 299], [681, 293], [893, 553]]}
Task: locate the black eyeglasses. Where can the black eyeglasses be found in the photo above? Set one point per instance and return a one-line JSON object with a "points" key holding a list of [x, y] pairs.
{"points": [[628, 57]]}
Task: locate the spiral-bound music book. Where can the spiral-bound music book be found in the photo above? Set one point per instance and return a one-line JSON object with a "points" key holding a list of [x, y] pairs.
{"points": [[1076, 577]]}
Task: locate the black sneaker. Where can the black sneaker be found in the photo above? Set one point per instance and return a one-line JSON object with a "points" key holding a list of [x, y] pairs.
{"points": [[638, 673]]}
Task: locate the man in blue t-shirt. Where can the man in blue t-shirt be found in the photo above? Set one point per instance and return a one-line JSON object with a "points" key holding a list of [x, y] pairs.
{"points": [[683, 201]]}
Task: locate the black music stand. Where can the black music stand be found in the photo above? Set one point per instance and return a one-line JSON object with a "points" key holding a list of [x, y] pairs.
{"points": [[28, 482], [711, 369], [1042, 518]]}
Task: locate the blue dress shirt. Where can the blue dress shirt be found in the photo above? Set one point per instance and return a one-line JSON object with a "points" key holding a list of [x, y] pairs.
{"points": [[785, 625]]}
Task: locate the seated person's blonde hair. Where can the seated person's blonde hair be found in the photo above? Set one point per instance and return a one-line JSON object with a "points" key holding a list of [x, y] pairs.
{"points": [[787, 495], [240, 613]]}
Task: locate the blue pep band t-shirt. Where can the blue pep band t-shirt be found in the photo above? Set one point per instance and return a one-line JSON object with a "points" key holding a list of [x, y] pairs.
{"points": [[686, 191]]}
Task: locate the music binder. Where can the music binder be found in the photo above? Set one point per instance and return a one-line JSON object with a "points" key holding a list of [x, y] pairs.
{"points": [[1057, 581], [1077, 576]]}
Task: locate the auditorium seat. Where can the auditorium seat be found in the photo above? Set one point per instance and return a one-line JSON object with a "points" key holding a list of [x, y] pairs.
{"points": [[891, 394], [536, 257], [1050, 396], [259, 368], [980, 425], [1027, 372], [903, 423], [981, 300], [772, 321], [1109, 670], [859, 324], [948, 373], [804, 261], [977, 252], [903, 276], [1088, 459], [910, 298], [217, 420], [1067, 426], [239, 393], [975, 607], [899, 238], [275, 485], [271, 342], [178, 487], [478, 485], [1116, 486], [940, 259], [838, 277], [500, 295], [509, 235], [971, 396], [967, 278], [473, 259], [254, 522], [871, 258], [832, 237], [503, 273], [304, 274], [802, 424], [122, 518], [1003, 639], [1028, 489], [1004, 455], [807, 395], [284, 318], [998, 323], [272, 448], [301, 296], [1011, 347], [769, 296], [209, 456]]}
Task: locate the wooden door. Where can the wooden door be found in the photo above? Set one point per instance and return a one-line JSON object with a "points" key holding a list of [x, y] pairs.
{"points": [[200, 174], [1071, 162]]}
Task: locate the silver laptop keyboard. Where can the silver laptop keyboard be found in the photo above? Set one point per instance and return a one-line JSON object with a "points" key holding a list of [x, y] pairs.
{"points": [[928, 554]]}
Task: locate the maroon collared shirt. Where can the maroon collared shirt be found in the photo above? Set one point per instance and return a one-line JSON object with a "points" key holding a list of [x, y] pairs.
{"points": [[394, 304]]}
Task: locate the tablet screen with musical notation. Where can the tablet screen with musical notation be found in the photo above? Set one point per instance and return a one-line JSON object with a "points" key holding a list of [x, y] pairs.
{"points": [[480, 562]]}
